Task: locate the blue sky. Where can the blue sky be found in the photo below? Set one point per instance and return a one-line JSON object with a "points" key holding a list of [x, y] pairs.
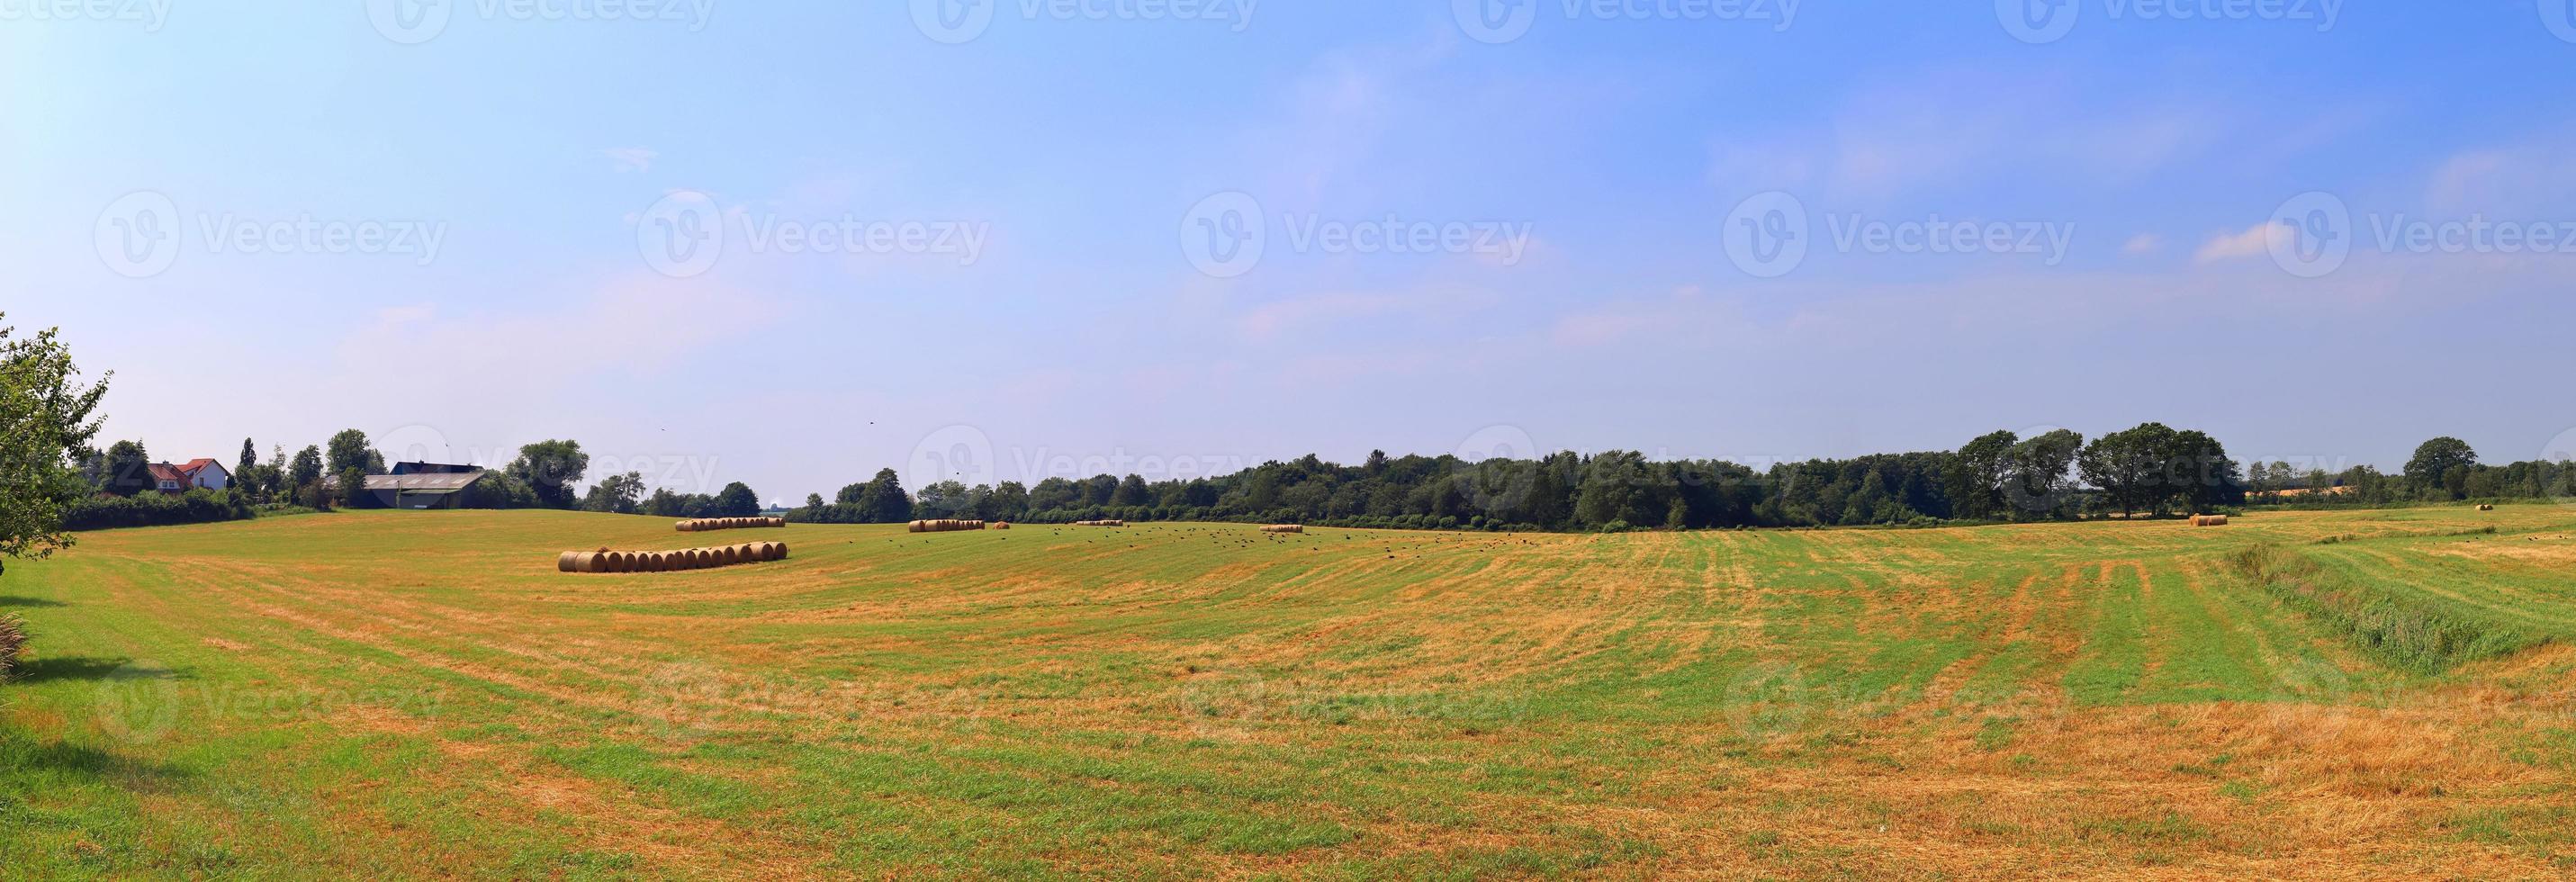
{"points": [[1014, 247]]}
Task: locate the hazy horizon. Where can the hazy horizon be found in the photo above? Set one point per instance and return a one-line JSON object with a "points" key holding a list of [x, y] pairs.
{"points": [[789, 244]]}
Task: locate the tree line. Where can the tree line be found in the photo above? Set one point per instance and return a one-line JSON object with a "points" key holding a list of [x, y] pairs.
{"points": [[2150, 470]]}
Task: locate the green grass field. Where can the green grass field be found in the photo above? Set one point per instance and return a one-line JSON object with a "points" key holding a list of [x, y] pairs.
{"points": [[2310, 694]]}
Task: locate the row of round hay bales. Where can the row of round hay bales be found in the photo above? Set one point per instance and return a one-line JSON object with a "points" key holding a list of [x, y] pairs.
{"points": [[943, 526], [1284, 528], [701, 525], [608, 561], [1100, 523], [2209, 520]]}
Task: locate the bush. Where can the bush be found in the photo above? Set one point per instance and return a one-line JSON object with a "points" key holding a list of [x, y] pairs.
{"points": [[13, 640], [156, 509]]}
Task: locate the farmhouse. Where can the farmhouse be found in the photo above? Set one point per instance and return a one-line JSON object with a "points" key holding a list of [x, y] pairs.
{"points": [[197, 473]]}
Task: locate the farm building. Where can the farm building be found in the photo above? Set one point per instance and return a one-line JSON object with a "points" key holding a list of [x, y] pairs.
{"points": [[423, 485]]}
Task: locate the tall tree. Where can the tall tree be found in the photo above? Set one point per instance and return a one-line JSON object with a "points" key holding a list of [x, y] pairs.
{"points": [[307, 467], [941, 499], [1976, 475], [2128, 466], [2042, 478], [737, 501], [348, 450], [551, 468], [1131, 491], [249, 460], [616, 494], [126, 470], [2199, 476], [45, 426], [2431, 467], [883, 501]]}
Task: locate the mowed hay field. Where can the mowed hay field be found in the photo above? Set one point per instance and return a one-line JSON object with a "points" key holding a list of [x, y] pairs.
{"points": [[421, 693]]}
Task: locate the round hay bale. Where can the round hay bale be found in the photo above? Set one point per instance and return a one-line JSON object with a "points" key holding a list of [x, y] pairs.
{"points": [[916, 526], [563, 562], [768, 551], [685, 559], [2486, 508], [685, 527], [585, 562], [782, 550], [1001, 525], [1284, 528]]}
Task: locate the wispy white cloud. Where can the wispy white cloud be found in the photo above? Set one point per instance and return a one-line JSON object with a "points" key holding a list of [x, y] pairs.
{"points": [[630, 159], [2255, 241], [2143, 243]]}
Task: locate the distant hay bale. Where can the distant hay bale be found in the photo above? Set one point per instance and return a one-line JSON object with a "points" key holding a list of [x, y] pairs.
{"points": [[564, 562], [2215, 520], [782, 550], [916, 527], [1001, 525], [1284, 528], [2486, 508], [685, 526]]}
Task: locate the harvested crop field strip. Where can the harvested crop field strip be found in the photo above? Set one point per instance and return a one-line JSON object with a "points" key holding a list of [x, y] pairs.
{"points": [[424, 693]]}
